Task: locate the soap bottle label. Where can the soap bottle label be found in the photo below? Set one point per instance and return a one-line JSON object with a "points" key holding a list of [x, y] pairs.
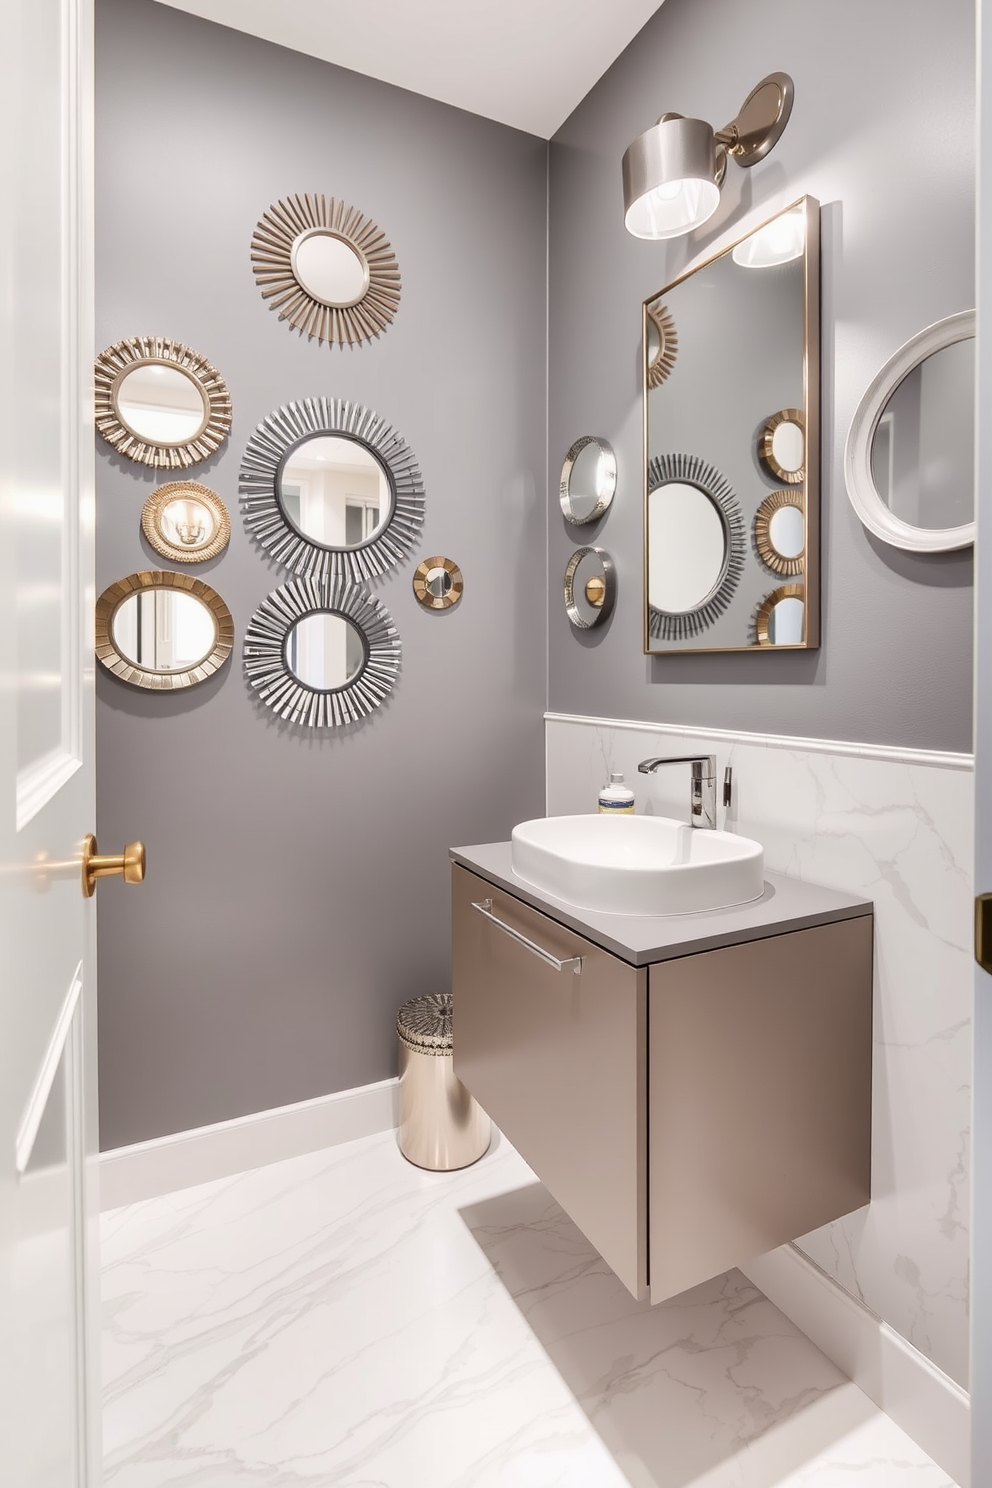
{"points": [[615, 808]]}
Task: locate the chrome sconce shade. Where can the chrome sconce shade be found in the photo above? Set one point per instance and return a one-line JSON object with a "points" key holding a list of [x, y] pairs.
{"points": [[673, 172]]}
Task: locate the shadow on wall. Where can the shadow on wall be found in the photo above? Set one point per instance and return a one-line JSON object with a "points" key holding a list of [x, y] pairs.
{"points": [[673, 1391]]}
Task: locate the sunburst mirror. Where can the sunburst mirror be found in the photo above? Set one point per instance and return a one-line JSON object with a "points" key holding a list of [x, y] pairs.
{"points": [[331, 490], [326, 268], [661, 343], [321, 653], [780, 532], [160, 403]]}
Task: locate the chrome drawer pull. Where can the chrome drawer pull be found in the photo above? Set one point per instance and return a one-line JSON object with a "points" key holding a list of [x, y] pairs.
{"points": [[575, 962]]}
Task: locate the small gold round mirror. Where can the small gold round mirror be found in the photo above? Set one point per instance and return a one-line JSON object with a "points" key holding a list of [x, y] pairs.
{"points": [[782, 446], [662, 343], [780, 532], [781, 617], [186, 522], [438, 583]]}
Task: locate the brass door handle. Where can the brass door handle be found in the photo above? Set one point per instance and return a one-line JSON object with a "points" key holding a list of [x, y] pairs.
{"points": [[131, 863]]}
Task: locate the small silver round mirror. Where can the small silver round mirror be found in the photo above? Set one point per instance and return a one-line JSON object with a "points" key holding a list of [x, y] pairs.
{"points": [[329, 268], [590, 587], [161, 404], [588, 480], [324, 651]]}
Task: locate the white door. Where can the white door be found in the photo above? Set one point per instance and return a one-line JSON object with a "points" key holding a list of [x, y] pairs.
{"points": [[48, 1374]]}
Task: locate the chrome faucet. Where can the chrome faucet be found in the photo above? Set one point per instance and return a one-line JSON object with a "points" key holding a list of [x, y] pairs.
{"points": [[702, 792]]}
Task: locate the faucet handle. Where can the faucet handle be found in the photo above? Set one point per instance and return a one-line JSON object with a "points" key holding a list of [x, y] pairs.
{"points": [[728, 785]]}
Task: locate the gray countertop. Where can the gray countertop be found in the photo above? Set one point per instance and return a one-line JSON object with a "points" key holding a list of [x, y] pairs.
{"points": [[787, 904]]}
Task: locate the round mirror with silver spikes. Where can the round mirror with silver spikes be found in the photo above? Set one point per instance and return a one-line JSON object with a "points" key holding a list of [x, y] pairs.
{"points": [[321, 653], [331, 490]]}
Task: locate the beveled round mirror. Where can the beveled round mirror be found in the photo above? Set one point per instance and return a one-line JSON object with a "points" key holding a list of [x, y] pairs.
{"points": [[661, 344], [781, 617], [321, 653], [910, 457], [695, 545], [588, 480], [327, 269], [780, 532], [438, 583], [160, 403], [782, 446], [329, 489], [186, 522], [590, 587], [335, 491], [161, 630]]}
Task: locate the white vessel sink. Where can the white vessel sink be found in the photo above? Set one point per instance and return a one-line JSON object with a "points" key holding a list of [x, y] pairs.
{"points": [[637, 865]]}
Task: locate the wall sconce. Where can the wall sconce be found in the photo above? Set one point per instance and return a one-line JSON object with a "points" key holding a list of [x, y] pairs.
{"points": [[672, 174]]}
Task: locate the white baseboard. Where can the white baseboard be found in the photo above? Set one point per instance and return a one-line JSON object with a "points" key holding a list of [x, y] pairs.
{"points": [[130, 1174], [929, 1406]]}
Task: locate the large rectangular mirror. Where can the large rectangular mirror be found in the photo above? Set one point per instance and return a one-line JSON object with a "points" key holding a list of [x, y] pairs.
{"points": [[732, 446]]}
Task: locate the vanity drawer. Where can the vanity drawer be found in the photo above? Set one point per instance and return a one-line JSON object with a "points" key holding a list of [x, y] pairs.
{"points": [[558, 1060]]}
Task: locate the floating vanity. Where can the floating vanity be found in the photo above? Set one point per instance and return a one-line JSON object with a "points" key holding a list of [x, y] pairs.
{"points": [[693, 1089]]}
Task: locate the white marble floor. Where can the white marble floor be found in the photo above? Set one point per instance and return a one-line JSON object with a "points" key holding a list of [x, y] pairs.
{"points": [[343, 1318]]}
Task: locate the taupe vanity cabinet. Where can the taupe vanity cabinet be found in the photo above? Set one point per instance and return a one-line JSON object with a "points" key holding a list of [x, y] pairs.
{"points": [[699, 1091]]}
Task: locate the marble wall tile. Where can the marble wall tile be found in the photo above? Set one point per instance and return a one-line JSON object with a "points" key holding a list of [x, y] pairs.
{"points": [[900, 832]]}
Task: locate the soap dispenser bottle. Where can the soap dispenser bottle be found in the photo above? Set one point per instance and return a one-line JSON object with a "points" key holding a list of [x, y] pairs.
{"points": [[616, 799]]}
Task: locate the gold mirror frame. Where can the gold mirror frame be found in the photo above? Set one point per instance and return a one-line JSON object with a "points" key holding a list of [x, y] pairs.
{"points": [[433, 601], [763, 616], [113, 365], [767, 440], [163, 496], [767, 551], [660, 367], [110, 657], [273, 259]]}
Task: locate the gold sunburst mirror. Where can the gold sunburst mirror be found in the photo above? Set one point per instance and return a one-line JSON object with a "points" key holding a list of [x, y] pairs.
{"points": [[780, 619], [782, 446], [780, 532], [162, 630], [160, 403], [661, 343], [326, 268], [186, 522]]}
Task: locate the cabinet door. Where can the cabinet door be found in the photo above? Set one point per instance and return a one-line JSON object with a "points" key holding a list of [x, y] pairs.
{"points": [[760, 1097], [558, 1061]]}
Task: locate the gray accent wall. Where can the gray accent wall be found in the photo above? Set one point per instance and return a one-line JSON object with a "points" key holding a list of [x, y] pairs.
{"points": [[297, 887], [882, 134]]}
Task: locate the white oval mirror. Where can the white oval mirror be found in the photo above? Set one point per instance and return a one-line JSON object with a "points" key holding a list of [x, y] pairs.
{"points": [[687, 547], [325, 651], [909, 460], [161, 404], [785, 531], [330, 269], [788, 446], [588, 480], [164, 630], [334, 491]]}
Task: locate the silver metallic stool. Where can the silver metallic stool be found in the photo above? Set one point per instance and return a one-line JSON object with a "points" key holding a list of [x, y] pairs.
{"points": [[441, 1126]]}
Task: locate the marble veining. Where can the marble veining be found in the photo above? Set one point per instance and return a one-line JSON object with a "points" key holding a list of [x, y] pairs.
{"points": [[899, 833], [344, 1318]]}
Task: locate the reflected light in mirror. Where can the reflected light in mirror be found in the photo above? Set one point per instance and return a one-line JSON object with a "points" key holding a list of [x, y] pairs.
{"points": [[785, 531], [335, 491], [687, 547], [187, 524], [785, 623], [161, 630], [324, 651], [160, 404], [330, 269], [789, 446], [778, 242], [438, 582]]}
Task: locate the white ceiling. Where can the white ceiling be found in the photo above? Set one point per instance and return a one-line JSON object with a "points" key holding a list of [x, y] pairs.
{"points": [[523, 62]]}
